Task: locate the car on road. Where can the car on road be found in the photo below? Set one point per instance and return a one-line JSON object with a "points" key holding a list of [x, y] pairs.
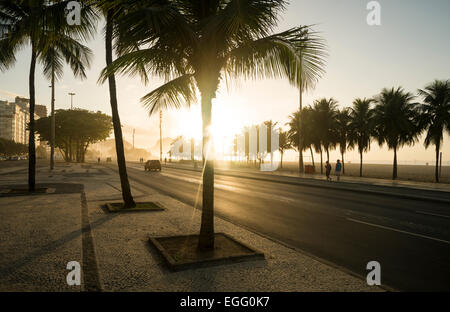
{"points": [[152, 165]]}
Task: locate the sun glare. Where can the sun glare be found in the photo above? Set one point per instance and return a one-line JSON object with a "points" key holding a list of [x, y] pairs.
{"points": [[225, 124]]}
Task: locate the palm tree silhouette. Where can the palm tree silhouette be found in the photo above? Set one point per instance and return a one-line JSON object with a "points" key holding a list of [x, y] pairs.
{"points": [[395, 121], [342, 132], [325, 111], [361, 128], [112, 10], [312, 59], [196, 45], [63, 45], [32, 22], [284, 145], [435, 115], [307, 131]]}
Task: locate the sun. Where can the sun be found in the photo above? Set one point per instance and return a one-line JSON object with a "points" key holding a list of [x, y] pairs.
{"points": [[225, 124]]}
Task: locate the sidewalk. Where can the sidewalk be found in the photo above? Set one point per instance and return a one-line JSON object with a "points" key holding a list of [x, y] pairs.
{"points": [[122, 259]]}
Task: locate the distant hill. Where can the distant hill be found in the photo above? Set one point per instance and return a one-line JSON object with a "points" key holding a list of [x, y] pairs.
{"points": [[108, 149]]}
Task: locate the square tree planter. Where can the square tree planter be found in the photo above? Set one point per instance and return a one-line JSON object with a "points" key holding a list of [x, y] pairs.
{"points": [[140, 207], [182, 253]]}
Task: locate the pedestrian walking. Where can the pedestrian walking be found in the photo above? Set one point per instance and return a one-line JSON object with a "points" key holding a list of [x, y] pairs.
{"points": [[328, 170], [338, 169]]}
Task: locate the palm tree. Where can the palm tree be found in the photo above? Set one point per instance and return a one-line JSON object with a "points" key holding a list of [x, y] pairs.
{"points": [[343, 132], [284, 145], [23, 22], [309, 136], [196, 45], [325, 120], [435, 115], [312, 59], [112, 10], [361, 127], [62, 45], [395, 120]]}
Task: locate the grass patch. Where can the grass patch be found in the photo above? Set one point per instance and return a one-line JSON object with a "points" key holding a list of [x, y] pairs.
{"points": [[181, 252], [148, 206]]}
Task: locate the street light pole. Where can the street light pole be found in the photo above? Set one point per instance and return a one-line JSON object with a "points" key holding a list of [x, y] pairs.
{"points": [[52, 125], [160, 135], [71, 99]]}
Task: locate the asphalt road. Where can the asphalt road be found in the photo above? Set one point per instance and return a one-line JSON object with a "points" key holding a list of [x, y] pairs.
{"points": [[409, 238]]}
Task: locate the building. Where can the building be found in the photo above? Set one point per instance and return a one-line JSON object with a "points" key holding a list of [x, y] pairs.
{"points": [[39, 110], [14, 118]]}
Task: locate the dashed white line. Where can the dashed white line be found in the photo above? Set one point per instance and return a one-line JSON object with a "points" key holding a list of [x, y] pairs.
{"points": [[433, 214], [399, 231]]}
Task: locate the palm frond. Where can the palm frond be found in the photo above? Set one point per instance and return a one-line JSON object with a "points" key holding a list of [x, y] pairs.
{"points": [[173, 94], [293, 54], [154, 60]]}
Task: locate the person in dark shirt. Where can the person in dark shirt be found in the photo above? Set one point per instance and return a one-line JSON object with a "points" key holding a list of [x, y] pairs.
{"points": [[328, 170], [338, 169]]}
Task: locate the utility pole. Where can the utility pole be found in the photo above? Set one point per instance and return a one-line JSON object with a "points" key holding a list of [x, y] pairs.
{"points": [[71, 99], [52, 125], [160, 136], [301, 166]]}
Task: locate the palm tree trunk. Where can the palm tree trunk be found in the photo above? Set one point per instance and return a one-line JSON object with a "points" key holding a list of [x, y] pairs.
{"points": [[437, 162], [321, 161], [31, 142], [394, 174], [360, 163], [281, 164], [206, 238], [52, 121], [125, 184], [312, 157], [328, 154], [343, 163]]}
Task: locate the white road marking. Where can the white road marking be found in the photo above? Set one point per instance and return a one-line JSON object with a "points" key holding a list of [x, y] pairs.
{"points": [[400, 231], [433, 214]]}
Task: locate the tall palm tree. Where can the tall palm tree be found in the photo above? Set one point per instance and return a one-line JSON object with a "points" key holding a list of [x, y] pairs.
{"points": [[435, 115], [62, 45], [112, 11], [325, 119], [196, 45], [312, 58], [29, 22], [343, 132], [307, 130], [395, 120], [361, 128], [284, 145]]}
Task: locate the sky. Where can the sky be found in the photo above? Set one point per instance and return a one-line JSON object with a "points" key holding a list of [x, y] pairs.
{"points": [[409, 49]]}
